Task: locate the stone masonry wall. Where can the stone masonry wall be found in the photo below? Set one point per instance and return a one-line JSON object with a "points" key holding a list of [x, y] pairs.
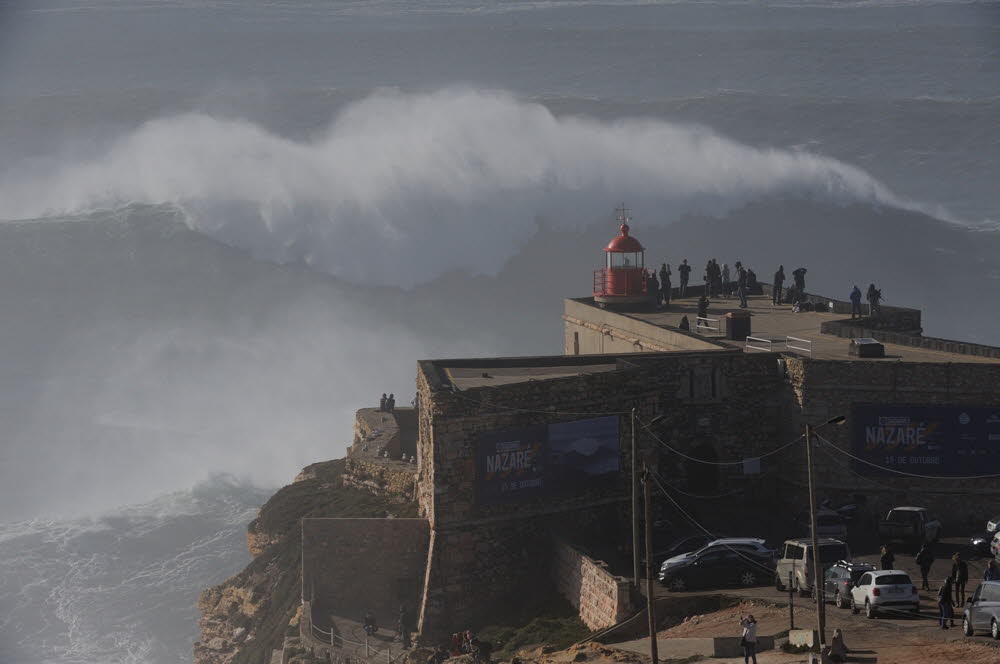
{"points": [[601, 598], [826, 388], [352, 565], [726, 401]]}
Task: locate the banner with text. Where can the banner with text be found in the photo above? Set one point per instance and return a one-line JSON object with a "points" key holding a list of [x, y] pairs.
{"points": [[546, 459], [947, 441]]}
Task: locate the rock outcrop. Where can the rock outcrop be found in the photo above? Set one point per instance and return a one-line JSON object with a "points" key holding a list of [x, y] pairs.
{"points": [[247, 616]]}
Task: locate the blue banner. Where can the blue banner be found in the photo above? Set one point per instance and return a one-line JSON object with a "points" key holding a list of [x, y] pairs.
{"points": [[945, 441], [545, 460]]}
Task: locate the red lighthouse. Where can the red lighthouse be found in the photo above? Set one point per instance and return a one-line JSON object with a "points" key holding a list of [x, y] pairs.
{"points": [[621, 283]]}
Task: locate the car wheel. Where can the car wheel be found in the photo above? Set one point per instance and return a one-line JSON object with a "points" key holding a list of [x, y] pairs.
{"points": [[778, 585], [994, 629], [748, 578], [966, 626], [677, 585], [838, 601], [869, 610], [854, 607], [803, 592]]}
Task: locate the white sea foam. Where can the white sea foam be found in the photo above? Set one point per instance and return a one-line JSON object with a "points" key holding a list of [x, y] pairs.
{"points": [[401, 186], [119, 587]]}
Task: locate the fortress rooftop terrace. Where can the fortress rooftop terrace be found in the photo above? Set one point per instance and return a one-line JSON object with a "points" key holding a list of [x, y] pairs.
{"points": [[823, 335]]}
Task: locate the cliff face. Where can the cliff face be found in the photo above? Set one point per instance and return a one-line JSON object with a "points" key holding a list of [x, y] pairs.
{"points": [[247, 616]]}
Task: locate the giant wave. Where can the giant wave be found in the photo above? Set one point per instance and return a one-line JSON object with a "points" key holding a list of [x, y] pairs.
{"points": [[400, 185]]}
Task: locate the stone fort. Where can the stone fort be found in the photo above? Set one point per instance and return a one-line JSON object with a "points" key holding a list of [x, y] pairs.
{"points": [[521, 466]]}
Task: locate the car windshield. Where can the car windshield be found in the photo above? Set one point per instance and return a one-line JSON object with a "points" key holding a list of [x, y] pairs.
{"points": [[831, 553], [903, 516], [892, 580], [856, 574]]}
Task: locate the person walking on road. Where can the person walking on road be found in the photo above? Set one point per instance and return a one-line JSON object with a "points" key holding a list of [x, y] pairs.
{"points": [[960, 576], [945, 607], [924, 560], [727, 286], [685, 271], [749, 639], [887, 559]]}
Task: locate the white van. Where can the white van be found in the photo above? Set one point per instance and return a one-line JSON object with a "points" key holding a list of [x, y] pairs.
{"points": [[796, 562]]}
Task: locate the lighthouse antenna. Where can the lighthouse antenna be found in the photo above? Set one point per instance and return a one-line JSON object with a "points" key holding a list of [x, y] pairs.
{"points": [[622, 214]]}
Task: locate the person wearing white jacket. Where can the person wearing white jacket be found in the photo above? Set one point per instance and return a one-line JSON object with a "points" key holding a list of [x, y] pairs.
{"points": [[749, 639]]}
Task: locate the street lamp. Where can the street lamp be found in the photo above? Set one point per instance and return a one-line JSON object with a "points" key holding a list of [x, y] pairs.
{"points": [[820, 602]]}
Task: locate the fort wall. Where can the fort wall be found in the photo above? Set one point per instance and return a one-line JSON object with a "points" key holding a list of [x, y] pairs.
{"points": [[353, 565], [827, 388], [725, 402], [601, 598], [592, 331]]}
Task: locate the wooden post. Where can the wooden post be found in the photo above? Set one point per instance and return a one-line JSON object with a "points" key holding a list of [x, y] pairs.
{"points": [[650, 589]]}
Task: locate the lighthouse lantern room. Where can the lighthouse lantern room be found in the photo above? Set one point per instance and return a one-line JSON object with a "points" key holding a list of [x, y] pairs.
{"points": [[621, 283]]}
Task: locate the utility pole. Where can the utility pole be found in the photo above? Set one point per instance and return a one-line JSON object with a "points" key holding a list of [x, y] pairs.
{"points": [[635, 511], [817, 570], [650, 589]]}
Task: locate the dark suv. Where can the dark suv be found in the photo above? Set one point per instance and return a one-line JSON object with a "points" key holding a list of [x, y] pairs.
{"points": [[839, 580]]}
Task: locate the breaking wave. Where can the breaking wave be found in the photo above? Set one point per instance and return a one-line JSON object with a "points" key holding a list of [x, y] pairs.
{"points": [[400, 186]]}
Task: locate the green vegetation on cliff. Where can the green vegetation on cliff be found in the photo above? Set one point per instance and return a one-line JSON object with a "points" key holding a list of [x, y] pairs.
{"points": [[265, 597]]}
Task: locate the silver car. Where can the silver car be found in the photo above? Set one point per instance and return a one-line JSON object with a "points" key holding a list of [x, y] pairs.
{"points": [[982, 612]]}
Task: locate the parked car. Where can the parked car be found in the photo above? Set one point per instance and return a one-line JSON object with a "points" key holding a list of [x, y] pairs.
{"points": [[884, 590], [980, 544], [752, 546], [909, 525], [716, 566], [797, 560], [681, 545], [840, 579], [992, 524], [982, 611], [828, 524]]}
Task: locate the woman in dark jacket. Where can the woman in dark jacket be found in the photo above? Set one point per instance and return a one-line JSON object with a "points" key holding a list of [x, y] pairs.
{"points": [[887, 559]]}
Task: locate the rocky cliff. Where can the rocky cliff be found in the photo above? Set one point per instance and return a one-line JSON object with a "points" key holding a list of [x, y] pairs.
{"points": [[247, 616]]}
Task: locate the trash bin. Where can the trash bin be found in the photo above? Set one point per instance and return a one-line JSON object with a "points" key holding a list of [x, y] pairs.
{"points": [[737, 325]]}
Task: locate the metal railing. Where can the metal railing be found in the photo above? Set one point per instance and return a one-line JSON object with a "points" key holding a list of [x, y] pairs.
{"points": [[703, 324], [804, 345], [779, 343], [338, 641], [760, 343]]}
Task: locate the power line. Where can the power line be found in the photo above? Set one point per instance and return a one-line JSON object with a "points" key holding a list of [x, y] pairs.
{"points": [[703, 528], [715, 463], [900, 472]]}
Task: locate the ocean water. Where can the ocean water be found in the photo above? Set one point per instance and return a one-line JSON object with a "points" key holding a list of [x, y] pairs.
{"points": [[227, 224]]}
